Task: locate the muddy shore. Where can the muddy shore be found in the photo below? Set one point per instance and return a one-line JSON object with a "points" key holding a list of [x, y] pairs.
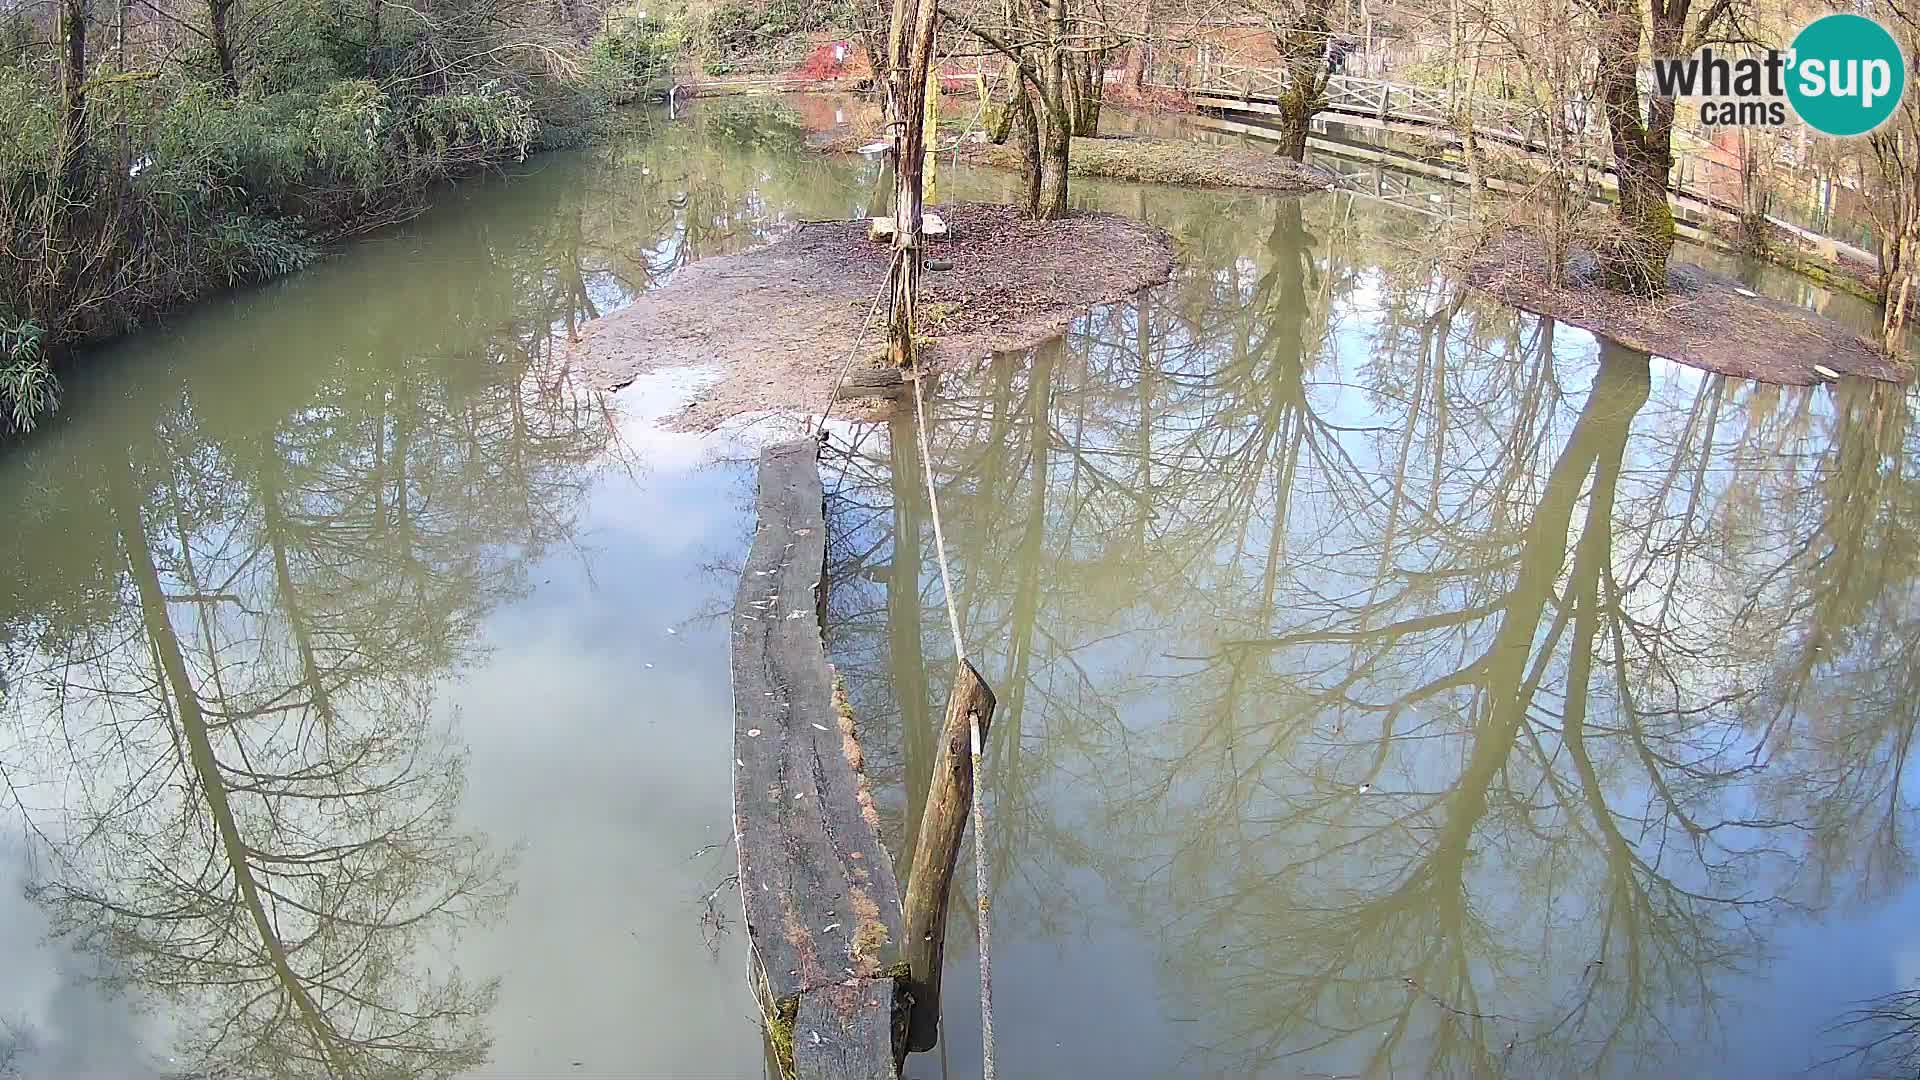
{"points": [[1705, 320], [778, 322]]}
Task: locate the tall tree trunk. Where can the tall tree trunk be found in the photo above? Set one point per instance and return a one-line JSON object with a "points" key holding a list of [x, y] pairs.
{"points": [[75, 155], [1755, 234], [912, 62], [1899, 223], [217, 11], [1029, 134], [1636, 260], [1303, 53], [1901, 290], [1086, 77], [1056, 125], [1002, 125], [1092, 94]]}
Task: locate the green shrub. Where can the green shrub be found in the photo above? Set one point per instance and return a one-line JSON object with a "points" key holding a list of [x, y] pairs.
{"points": [[205, 149], [28, 390], [29, 113], [448, 132], [737, 27], [20, 39], [636, 46], [247, 248], [185, 188]]}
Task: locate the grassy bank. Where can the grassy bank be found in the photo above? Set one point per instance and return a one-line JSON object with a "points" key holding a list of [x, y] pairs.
{"points": [[1169, 161], [165, 176]]}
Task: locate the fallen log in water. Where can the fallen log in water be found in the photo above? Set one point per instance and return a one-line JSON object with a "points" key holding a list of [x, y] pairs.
{"points": [[822, 904]]}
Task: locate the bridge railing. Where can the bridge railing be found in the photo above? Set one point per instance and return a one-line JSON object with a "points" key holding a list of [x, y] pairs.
{"points": [[1509, 120], [1492, 118]]}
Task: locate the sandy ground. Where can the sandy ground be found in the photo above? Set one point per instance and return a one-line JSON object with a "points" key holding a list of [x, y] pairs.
{"points": [[1704, 320], [779, 321]]}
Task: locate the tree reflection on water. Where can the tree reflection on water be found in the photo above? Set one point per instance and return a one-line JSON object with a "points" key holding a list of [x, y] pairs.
{"points": [[222, 731], [1438, 693]]}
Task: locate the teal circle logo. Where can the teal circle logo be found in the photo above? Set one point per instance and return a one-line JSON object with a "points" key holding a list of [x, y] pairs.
{"points": [[1846, 74]]}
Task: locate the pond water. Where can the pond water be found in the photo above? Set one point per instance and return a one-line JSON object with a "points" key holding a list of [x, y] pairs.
{"points": [[1390, 682], [1395, 684]]}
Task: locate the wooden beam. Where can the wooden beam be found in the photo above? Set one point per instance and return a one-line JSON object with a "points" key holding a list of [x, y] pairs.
{"points": [[942, 824], [822, 905]]}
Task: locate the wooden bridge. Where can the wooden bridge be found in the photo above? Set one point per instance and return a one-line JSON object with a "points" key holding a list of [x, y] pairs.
{"points": [[1380, 103], [1246, 97]]}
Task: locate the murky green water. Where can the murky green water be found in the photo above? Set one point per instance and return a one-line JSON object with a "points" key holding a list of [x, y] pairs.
{"points": [[1390, 683], [1394, 684], [363, 707]]}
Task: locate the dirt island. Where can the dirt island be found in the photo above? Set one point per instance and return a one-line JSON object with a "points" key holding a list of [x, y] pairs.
{"points": [[779, 321], [1703, 319]]}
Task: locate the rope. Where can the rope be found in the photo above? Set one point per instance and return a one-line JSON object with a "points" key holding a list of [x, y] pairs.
{"points": [[981, 885], [939, 535], [847, 364]]}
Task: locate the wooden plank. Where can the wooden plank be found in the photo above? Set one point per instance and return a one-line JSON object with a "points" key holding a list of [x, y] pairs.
{"points": [[822, 904], [845, 1032]]}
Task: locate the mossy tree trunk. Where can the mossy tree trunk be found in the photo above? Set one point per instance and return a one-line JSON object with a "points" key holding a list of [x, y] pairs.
{"points": [[1002, 124], [1302, 44], [1029, 129], [1056, 121], [1635, 260], [1035, 44], [1294, 121]]}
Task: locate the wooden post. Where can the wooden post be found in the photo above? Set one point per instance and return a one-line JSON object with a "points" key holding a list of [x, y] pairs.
{"points": [[942, 824]]}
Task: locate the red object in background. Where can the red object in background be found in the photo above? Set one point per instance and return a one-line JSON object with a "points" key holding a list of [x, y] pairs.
{"points": [[832, 60]]}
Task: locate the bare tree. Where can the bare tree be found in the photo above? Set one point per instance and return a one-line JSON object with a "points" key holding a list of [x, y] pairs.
{"points": [[1635, 260]]}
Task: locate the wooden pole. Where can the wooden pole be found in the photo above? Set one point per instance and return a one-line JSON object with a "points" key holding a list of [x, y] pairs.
{"points": [[942, 824]]}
